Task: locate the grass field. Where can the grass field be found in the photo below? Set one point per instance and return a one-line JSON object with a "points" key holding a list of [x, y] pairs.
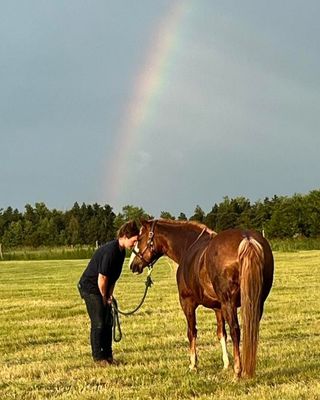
{"points": [[84, 251], [45, 354]]}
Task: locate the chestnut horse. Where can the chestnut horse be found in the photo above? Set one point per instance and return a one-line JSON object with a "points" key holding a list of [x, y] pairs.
{"points": [[219, 271]]}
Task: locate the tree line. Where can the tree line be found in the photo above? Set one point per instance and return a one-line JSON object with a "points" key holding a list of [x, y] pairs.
{"points": [[277, 217]]}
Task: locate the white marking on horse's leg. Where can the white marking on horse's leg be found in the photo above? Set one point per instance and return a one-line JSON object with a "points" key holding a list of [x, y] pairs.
{"points": [[193, 355], [193, 361], [133, 255], [225, 356]]}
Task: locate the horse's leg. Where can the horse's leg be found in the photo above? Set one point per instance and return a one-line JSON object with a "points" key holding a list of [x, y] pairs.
{"points": [[189, 308], [229, 312], [222, 336]]}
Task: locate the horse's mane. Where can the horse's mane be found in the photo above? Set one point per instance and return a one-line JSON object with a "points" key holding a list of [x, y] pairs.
{"points": [[194, 224]]}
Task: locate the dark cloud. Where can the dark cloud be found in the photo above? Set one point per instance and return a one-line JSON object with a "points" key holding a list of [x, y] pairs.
{"points": [[237, 114]]}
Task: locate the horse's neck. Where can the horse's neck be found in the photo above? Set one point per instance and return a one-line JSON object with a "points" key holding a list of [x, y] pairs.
{"points": [[176, 241]]}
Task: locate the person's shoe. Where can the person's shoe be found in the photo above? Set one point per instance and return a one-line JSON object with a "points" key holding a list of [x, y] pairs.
{"points": [[102, 363], [112, 361]]}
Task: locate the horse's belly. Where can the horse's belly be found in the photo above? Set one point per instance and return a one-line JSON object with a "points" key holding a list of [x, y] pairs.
{"points": [[208, 295], [195, 282], [210, 300]]}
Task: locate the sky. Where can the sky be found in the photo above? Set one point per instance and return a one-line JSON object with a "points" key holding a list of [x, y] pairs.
{"points": [[164, 105]]}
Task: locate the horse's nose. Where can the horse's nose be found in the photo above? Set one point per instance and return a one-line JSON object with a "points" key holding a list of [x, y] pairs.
{"points": [[133, 267]]}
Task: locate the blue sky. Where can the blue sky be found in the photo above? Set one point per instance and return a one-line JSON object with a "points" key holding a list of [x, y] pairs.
{"points": [[238, 113]]}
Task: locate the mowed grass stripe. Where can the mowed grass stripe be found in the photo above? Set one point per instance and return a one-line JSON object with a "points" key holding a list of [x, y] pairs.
{"points": [[45, 352]]}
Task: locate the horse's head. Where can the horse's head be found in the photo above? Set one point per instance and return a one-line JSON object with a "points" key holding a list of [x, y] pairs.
{"points": [[144, 253]]}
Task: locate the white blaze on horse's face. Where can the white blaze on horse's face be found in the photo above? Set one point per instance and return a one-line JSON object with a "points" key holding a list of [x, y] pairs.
{"points": [[136, 249]]}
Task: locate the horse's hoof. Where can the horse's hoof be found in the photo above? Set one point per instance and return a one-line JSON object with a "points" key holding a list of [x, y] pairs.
{"points": [[237, 376], [193, 368]]}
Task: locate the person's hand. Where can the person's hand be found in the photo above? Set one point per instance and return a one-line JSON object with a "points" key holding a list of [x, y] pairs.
{"points": [[109, 300], [105, 300]]}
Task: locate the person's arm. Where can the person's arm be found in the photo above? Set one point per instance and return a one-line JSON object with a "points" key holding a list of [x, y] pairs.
{"points": [[103, 286], [110, 293]]}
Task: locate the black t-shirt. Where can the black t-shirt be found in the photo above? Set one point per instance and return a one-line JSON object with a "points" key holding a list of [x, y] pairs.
{"points": [[107, 260]]}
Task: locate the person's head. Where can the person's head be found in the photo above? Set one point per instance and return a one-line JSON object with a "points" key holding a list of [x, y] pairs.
{"points": [[128, 234]]}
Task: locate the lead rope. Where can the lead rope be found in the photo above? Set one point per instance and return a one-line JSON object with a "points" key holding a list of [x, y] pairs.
{"points": [[116, 327]]}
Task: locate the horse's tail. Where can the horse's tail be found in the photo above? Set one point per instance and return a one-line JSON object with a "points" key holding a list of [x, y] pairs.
{"points": [[251, 260]]}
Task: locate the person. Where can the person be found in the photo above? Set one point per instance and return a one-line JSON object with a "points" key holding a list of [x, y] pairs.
{"points": [[96, 287]]}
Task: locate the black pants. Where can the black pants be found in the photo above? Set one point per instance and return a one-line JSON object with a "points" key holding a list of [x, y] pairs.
{"points": [[101, 325]]}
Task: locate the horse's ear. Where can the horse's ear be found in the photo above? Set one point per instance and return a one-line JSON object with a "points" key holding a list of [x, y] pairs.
{"points": [[143, 221]]}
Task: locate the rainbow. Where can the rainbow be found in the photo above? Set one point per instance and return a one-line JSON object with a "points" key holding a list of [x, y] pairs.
{"points": [[147, 88]]}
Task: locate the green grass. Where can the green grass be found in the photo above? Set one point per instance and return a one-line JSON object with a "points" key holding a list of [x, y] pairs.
{"points": [[295, 244], [45, 353], [48, 253]]}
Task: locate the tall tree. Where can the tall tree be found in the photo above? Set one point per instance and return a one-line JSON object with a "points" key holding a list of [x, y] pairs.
{"points": [[130, 212], [283, 222], [167, 215], [312, 204], [198, 215], [212, 217], [13, 235], [182, 217], [73, 231], [226, 215]]}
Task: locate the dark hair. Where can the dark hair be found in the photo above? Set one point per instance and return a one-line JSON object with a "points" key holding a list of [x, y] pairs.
{"points": [[128, 229]]}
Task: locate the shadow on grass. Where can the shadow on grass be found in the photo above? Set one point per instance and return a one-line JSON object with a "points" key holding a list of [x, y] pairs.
{"points": [[282, 374]]}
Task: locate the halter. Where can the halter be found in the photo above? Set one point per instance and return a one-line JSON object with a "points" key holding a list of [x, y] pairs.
{"points": [[149, 246]]}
